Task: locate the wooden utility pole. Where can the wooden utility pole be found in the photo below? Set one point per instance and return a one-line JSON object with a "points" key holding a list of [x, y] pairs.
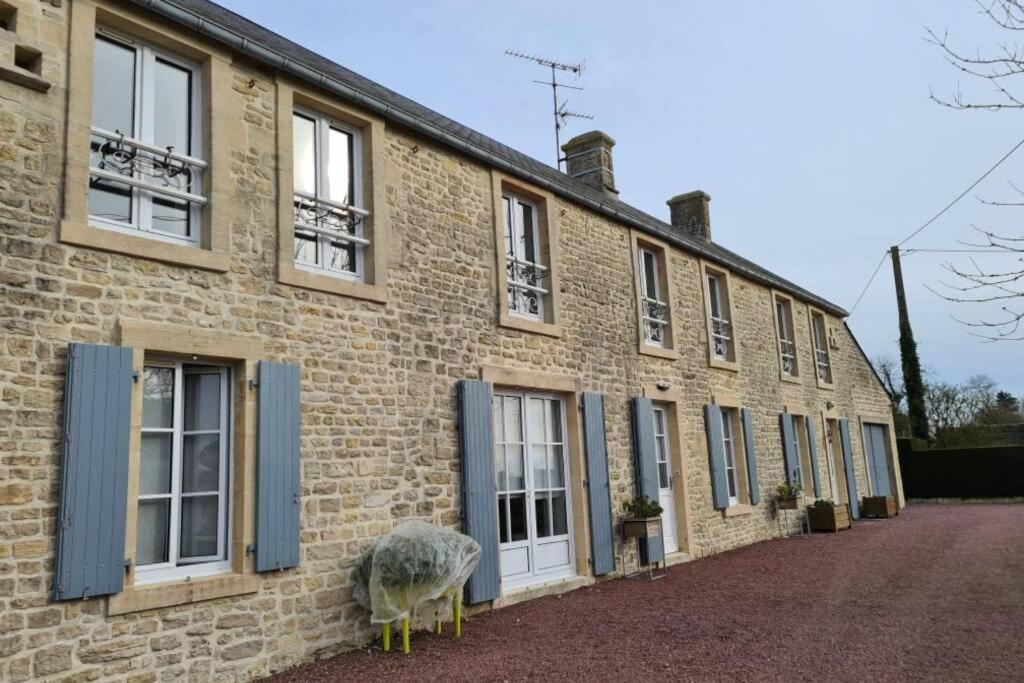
{"points": [[912, 381]]}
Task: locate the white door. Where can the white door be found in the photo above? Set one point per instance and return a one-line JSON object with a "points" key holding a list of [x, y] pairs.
{"points": [[666, 497], [531, 468], [830, 461]]}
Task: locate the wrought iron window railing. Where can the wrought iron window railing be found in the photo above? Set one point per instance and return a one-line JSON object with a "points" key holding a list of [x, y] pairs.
{"points": [[655, 315], [824, 365], [162, 171], [721, 337], [525, 286], [333, 232], [788, 351]]}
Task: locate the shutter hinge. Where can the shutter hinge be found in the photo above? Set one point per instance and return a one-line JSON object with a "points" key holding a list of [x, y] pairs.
{"points": [[127, 564], [250, 550], [253, 384], [135, 377]]}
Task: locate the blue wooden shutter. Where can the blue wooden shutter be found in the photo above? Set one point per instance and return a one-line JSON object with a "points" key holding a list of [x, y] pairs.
{"points": [[716, 456], [646, 470], [598, 486], [851, 479], [277, 467], [875, 444], [748, 447], [89, 558], [479, 490], [789, 457], [812, 448]]}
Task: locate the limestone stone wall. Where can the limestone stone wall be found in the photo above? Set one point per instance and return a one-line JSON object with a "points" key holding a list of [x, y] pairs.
{"points": [[378, 402]]}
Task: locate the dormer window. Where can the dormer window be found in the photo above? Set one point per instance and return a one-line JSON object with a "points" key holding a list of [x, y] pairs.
{"points": [[526, 277]]}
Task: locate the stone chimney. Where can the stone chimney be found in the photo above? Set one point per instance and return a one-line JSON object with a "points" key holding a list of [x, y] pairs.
{"points": [[690, 215], [588, 157]]}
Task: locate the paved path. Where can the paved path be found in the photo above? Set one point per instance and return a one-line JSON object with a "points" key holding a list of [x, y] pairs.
{"points": [[936, 594]]}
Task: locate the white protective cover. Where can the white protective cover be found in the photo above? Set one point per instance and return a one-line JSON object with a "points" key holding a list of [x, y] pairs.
{"points": [[416, 565]]}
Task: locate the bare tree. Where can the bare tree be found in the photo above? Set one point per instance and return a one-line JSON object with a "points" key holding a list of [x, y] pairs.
{"points": [[998, 67]]}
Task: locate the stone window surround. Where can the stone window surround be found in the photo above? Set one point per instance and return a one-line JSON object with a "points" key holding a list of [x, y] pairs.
{"points": [[663, 254], [377, 228], [549, 248], [731, 402], [776, 297], [213, 252], [242, 355], [675, 403], [725, 278], [811, 312]]}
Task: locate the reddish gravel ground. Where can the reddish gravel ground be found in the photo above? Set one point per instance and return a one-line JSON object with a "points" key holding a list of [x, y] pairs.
{"points": [[936, 594]]}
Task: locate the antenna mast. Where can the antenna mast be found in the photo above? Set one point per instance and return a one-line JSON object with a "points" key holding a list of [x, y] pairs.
{"points": [[559, 110]]}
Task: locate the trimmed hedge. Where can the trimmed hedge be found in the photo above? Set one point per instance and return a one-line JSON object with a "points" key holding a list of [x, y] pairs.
{"points": [[989, 472]]}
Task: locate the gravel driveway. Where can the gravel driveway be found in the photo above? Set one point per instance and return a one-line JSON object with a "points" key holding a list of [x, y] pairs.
{"points": [[937, 593]]}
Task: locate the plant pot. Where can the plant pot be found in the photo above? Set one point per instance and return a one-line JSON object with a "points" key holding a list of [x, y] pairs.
{"points": [[788, 503], [879, 507], [641, 527], [832, 518]]}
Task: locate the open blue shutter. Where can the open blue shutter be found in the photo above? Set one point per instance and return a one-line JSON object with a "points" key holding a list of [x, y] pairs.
{"points": [[748, 447], [789, 457], [598, 486], [479, 492], [646, 470], [716, 456], [812, 448], [851, 479], [277, 467], [89, 558]]}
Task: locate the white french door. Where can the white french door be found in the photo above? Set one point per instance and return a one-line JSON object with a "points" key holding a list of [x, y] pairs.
{"points": [[531, 470], [666, 496], [830, 461]]}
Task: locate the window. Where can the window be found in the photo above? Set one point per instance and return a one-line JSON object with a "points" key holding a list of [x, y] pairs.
{"points": [[822, 359], [787, 346], [654, 305], [145, 165], [328, 221], [525, 275], [182, 523], [729, 443], [719, 325], [801, 462]]}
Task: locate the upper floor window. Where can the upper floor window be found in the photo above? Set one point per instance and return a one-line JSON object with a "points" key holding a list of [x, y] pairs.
{"points": [[822, 359], [145, 161], [328, 220], [720, 328], [787, 345], [655, 307], [527, 278]]}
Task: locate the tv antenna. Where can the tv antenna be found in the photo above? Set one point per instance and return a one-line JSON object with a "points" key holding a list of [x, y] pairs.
{"points": [[561, 113]]}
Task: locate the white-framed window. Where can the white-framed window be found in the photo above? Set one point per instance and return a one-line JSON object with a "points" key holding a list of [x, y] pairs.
{"points": [[799, 452], [721, 327], [728, 444], [525, 275], [655, 310], [183, 518], [326, 168], [145, 158], [661, 448], [822, 360], [787, 346]]}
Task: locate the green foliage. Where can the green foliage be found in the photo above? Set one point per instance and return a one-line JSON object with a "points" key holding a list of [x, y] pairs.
{"points": [[787, 491], [642, 507], [913, 382], [822, 503]]}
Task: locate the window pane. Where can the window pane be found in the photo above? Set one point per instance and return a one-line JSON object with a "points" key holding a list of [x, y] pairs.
{"points": [[496, 417], [199, 525], [304, 154], [151, 531], [339, 166], [732, 482], [305, 248], [200, 463], [502, 520], [517, 516], [509, 240], [554, 421], [172, 107], [108, 199], [343, 256], [158, 397], [539, 460], [513, 427], [529, 247], [202, 401], [650, 275], [713, 296], [516, 482], [155, 463], [113, 87], [172, 216], [499, 468], [555, 468], [558, 514], [541, 518], [663, 475]]}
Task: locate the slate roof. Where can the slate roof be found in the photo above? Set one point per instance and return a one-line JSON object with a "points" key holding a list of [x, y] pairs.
{"points": [[226, 26]]}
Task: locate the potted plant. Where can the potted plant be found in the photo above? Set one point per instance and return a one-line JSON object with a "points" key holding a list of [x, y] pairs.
{"points": [[824, 515], [786, 495], [639, 513], [879, 506]]}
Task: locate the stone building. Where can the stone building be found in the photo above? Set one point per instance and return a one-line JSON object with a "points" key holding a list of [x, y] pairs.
{"points": [[257, 309]]}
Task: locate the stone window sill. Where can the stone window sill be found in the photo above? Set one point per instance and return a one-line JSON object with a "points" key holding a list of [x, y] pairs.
{"points": [[828, 386], [156, 595], [737, 510], [512, 322], [731, 365], [290, 275], [23, 78], [792, 379], [658, 351], [85, 235]]}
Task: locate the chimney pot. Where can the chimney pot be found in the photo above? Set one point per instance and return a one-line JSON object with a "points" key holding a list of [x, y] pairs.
{"points": [[690, 214], [588, 158]]}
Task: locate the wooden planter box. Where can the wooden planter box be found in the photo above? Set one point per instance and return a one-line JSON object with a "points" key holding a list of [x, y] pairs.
{"points": [[879, 507], [788, 503], [832, 518], [641, 527]]}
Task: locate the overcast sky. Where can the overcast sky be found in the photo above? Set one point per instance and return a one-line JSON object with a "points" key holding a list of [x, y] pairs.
{"points": [[809, 124]]}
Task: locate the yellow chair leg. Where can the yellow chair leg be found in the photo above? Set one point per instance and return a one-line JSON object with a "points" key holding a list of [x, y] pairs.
{"points": [[405, 635], [437, 627], [457, 614], [386, 637]]}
